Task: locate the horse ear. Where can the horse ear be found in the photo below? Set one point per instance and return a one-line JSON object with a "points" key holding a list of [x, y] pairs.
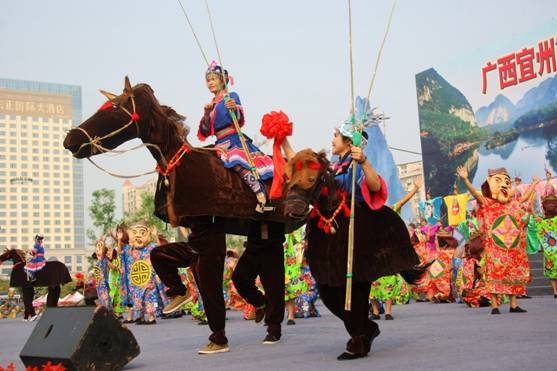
{"points": [[322, 157], [111, 97], [128, 87]]}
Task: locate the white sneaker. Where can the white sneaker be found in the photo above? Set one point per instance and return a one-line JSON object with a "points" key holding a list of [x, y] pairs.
{"points": [[33, 318], [24, 319]]}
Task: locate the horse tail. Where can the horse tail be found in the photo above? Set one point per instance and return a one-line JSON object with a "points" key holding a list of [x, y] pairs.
{"points": [[415, 274]]}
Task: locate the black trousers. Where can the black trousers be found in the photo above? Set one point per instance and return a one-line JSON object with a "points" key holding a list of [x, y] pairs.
{"points": [[29, 294], [356, 321], [263, 257], [204, 253]]}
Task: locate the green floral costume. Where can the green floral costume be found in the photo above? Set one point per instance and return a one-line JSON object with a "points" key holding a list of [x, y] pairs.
{"points": [[114, 286], [390, 287], [547, 234], [386, 288], [532, 240], [294, 285]]}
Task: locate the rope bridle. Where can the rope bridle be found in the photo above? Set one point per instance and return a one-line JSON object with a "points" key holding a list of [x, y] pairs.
{"points": [[312, 197], [167, 166], [96, 141]]}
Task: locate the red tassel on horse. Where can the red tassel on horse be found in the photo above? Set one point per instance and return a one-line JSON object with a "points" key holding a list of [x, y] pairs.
{"points": [[320, 224], [106, 106], [276, 125], [313, 213], [346, 211]]}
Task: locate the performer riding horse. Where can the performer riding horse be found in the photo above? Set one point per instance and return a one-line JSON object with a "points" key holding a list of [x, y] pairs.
{"points": [[194, 190], [52, 276]]}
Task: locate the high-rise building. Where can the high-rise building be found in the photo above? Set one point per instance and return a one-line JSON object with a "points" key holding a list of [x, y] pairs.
{"points": [[131, 195], [408, 173], [41, 184]]}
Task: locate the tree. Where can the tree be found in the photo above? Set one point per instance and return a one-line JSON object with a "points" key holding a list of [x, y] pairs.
{"points": [[146, 212], [101, 211]]}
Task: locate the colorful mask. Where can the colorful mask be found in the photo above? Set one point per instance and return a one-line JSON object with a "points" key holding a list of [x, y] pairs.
{"points": [[140, 235], [549, 204], [500, 185], [99, 248]]}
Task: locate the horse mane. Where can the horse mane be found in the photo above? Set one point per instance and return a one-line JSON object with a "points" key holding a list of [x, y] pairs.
{"points": [[18, 252], [328, 180], [162, 116], [177, 120]]}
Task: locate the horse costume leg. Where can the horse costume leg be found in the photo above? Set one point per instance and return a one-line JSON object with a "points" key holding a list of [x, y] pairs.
{"points": [[272, 279], [209, 240], [53, 296], [244, 277], [28, 294], [362, 330], [166, 260], [264, 257]]}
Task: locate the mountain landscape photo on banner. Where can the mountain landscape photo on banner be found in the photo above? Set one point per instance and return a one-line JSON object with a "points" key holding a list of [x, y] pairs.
{"points": [[521, 136]]}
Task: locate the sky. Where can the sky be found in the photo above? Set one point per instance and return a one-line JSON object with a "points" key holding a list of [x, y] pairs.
{"points": [[465, 74], [284, 55]]}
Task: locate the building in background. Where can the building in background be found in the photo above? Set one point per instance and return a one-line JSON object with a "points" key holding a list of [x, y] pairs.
{"points": [[408, 173], [41, 184], [131, 195]]}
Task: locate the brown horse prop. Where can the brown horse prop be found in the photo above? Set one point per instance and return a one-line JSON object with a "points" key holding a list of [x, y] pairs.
{"points": [[192, 182], [52, 276], [381, 241]]}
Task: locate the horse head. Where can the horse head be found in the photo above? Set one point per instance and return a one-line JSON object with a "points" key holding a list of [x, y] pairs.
{"points": [[14, 255], [309, 180], [135, 113], [5, 256]]}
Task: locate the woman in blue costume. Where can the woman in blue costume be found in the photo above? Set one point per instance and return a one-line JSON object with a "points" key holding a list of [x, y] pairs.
{"points": [[101, 274], [37, 261], [142, 291], [217, 120]]}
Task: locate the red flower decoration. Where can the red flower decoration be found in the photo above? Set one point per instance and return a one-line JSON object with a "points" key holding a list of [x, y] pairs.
{"points": [[276, 125], [135, 117]]}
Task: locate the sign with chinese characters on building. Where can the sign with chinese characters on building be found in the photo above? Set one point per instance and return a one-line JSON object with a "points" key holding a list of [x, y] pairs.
{"points": [[495, 106], [20, 103]]}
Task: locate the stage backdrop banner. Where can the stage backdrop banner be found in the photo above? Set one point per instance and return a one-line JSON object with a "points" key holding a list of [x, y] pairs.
{"points": [[494, 108]]}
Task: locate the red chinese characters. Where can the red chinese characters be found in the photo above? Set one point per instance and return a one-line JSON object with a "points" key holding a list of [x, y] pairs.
{"points": [[546, 56], [518, 67], [525, 62]]}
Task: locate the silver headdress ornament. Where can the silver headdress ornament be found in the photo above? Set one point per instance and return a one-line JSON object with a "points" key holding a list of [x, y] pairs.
{"points": [[370, 119]]}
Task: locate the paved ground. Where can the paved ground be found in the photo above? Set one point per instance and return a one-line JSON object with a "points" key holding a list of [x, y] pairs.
{"points": [[423, 336]]}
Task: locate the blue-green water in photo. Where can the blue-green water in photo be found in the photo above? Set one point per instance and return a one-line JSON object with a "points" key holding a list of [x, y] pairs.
{"points": [[525, 156]]}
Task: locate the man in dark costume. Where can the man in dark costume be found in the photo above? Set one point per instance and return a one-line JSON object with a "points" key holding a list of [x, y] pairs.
{"points": [[381, 245], [264, 257], [204, 252]]}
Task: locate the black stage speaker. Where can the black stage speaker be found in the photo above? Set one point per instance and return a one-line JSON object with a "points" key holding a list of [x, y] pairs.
{"points": [[81, 338]]}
